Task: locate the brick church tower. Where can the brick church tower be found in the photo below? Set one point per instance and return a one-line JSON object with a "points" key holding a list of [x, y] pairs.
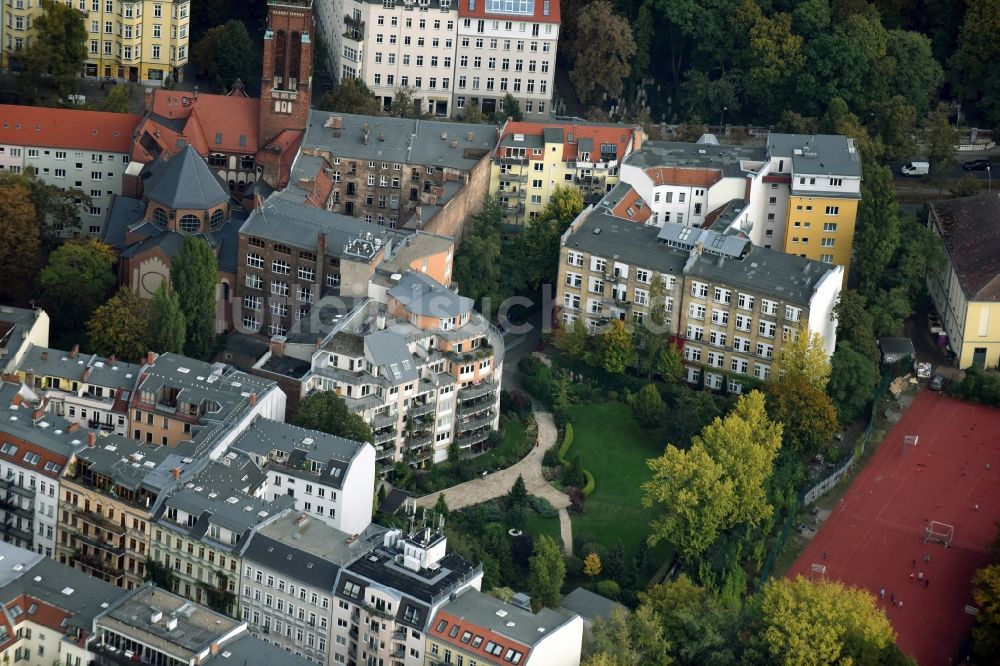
{"points": [[286, 84]]}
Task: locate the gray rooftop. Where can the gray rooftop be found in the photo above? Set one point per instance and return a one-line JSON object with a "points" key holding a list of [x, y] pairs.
{"points": [[388, 350], [99, 371], [693, 155], [247, 649], [187, 182], [424, 296], [400, 140], [484, 611], [50, 432], [132, 464], [14, 326], [785, 277], [413, 248], [589, 605], [82, 596], [197, 626], [123, 212], [820, 154], [285, 220]]}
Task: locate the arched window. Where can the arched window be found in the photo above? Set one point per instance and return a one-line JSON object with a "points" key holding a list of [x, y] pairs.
{"points": [[160, 217], [190, 224], [218, 219], [294, 60], [279, 58]]}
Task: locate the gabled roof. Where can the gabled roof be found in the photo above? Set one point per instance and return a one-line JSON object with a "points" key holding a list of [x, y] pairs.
{"points": [[576, 136], [66, 128], [539, 11], [187, 182], [970, 227]]}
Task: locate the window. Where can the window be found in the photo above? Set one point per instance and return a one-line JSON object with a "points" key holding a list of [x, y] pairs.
{"points": [[699, 290], [722, 295], [762, 372], [254, 281], [280, 267], [765, 350], [768, 307], [696, 311], [745, 302], [716, 359], [741, 344], [255, 260], [717, 338], [833, 210], [792, 314], [826, 258], [836, 182], [828, 242], [720, 317], [766, 329], [307, 273]]}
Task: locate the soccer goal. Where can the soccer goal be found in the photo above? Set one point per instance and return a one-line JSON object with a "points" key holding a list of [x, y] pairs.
{"points": [[910, 441], [936, 532]]}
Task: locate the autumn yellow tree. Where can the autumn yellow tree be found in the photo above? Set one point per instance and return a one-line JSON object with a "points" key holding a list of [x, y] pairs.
{"points": [[592, 565], [805, 623], [803, 355], [121, 326], [19, 242], [986, 592]]}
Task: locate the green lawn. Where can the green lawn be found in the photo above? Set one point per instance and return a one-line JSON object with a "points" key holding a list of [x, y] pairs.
{"points": [[536, 526], [506, 451], [615, 449]]}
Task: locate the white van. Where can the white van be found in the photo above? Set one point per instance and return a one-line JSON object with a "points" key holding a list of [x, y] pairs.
{"points": [[915, 169]]}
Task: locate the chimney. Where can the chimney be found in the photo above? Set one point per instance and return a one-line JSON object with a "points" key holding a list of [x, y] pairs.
{"points": [[37, 414], [381, 136], [112, 359], [92, 439], [86, 375], [45, 356], [277, 345], [196, 92], [253, 399], [319, 342], [74, 351], [469, 136], [321, 244], [699, 247], [150, 358], [73, 427], [148, 100], [176, 474], [366, 133], [16, 402], [214, 649]]}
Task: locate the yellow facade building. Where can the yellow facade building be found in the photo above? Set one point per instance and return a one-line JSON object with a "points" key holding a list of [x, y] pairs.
{"points": [[144, 41], [532, 159], [966, 292]]}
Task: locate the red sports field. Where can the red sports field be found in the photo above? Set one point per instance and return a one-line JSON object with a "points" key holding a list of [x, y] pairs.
{"points": [[876, 531]]}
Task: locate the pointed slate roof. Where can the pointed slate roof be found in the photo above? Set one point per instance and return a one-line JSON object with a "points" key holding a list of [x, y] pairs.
{"points": [[187, 182]]}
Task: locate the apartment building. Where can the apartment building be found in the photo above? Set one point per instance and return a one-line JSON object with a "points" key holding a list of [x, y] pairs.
{"points": [[290, 572], [20, 329], [396, 172], [506, 46], [202, 528], [967, 290], [88, 390], [531, 159], [153, 626], [141, 41], [386, 601], [37, 447], [730, 304], [325, 477], [416, 362], [50, 609], [477, 628], [72, 149]]}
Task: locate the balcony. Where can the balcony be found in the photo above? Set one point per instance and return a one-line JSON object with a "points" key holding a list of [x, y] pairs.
{"points": [[99, 521], [9, 504], [385, 437], [354, 28], [416, 442], [106, 570], [475, 423], [473, 439], [421, 410], [9, 483], [477, 391], [17, 531], [384, 421], [472, 407], [100, 544]]}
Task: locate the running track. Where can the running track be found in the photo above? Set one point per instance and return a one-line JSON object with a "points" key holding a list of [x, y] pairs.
{"points": [[877, 529]]}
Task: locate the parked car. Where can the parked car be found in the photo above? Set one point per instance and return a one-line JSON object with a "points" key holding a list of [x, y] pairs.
{"points": [[936, 383], [915, 169], [976, 165]]}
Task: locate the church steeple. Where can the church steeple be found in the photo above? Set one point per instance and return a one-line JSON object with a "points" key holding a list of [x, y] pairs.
{"points": [[286, 85]]}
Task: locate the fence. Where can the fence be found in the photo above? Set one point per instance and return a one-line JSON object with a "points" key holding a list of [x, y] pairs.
{"points": [[824, 486]]}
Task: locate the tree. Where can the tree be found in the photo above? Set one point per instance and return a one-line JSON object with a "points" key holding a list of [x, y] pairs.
{"points": [[546, 573], [327, 412], [803, 623], [803, 356], [701, 626], [572, 339], [161, 574], [986, 593], [807, 412], [648, 407], [233, 55], [774, 56], [74, 283], [351, 95], [894, 121], [58, 50], [512, 108], [57, 210], [616, 567], [629, 639], [203, 51], [537, 247], [643, 29], [480, 267], [121, 326], [967, 186], [117, 100], [941, 138], [878, 230], [403, 104], [600, 51], [853, 378], [592, 565], [194, 274], [855, 324], [518, 495], [616, 347], [441, 507], [973, 65], [167, 327], [909, 68], [19, 242], [654, 351], [573, 475]]}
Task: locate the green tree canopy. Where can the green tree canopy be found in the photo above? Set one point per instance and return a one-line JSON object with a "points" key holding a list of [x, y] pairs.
{"points": [[194, 274], [600, 51], [57, 209], [73, 284], [121, 327], [537, 247], [616, 347], [225, 53], [547, 571], [117, 100], [351, 95], [628, 639], [648, 407], [702, 628], [806, 411], [57, 51], [19, 242], [878, 228], [853, 378], [512, 108], [403, 104], [167, 326], [327, 412], [855, 324], [803, 356], [973, 65], [986, 592]]}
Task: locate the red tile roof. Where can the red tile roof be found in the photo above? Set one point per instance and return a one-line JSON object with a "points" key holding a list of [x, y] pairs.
{"points": [[66, 128], [617, 134], [477, 631], [45, 456], [479, 11], [684, 176], [640, 212], [45, 614]]}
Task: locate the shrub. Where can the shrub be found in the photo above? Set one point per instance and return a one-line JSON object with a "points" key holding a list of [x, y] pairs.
{"points": [[537, 378], [542, 507], [551, 457], [596, 548], [607, 588], [574, 475], [590, 485], [566, 443], [574, 566], [979, 386], [576, 498]]}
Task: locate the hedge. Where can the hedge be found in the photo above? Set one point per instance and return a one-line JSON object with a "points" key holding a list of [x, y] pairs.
{"points": [[564, 449]]}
